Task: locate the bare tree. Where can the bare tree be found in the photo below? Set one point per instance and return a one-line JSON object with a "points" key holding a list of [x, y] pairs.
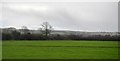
{"points": [[46, 29], [25, 30]]}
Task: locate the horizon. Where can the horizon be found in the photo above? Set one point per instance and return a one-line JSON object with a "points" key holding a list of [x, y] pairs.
{"points": [[56, 29]]}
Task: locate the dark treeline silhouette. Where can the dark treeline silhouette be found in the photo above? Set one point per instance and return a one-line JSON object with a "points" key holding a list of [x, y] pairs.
{"points": [[15, 35], [45, 33]]}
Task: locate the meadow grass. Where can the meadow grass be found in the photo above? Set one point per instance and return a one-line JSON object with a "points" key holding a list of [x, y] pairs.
{"points": [[60, 49], [0, 49]]}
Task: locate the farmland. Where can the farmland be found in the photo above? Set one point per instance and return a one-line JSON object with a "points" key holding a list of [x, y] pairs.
{"points": [[60, 49]]}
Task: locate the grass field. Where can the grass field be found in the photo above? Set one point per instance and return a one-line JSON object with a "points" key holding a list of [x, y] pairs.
{"points": [[60, 49], [0, 49]]}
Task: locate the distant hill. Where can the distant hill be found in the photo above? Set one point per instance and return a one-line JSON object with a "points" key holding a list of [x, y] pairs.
{"points": [[63, 32], [84, 33]]}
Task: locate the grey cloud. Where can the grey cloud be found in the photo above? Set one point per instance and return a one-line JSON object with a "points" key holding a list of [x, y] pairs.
{"points": [[72, 16]]}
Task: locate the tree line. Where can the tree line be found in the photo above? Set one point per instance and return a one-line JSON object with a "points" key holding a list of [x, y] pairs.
{"points": [[17, 36], [46, 29]]}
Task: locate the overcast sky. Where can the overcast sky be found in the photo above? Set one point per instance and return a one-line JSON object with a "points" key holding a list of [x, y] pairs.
{"points": [[85, 16]]}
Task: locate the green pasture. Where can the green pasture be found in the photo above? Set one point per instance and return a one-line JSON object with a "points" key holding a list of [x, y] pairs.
{"points": [[60, 49]]}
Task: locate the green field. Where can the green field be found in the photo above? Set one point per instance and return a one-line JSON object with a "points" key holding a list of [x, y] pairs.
{"points": [[60, 49]]}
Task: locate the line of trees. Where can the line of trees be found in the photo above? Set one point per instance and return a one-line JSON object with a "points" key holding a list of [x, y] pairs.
{"points": [[17, 36], [46, 29]]}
